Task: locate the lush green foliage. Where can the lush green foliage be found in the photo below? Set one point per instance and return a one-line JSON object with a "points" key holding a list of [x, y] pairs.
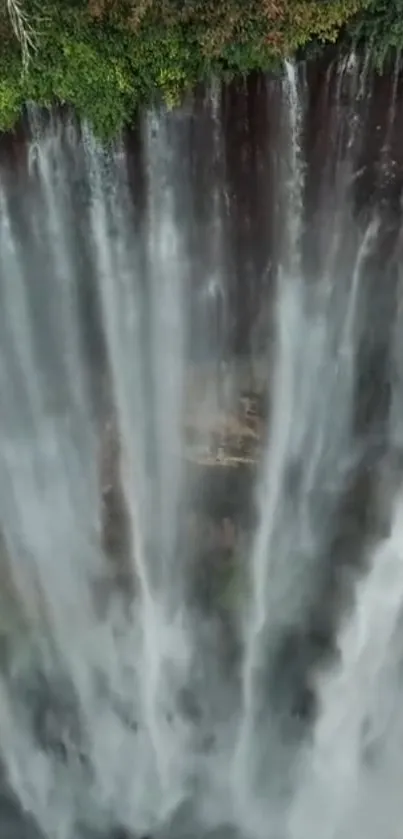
{"points": [[106, 57], [381, 30]]}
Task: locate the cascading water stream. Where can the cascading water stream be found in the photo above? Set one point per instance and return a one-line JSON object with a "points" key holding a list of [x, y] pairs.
{"points": [[152, 709], [347, 761], [304, 471], [152, 490]]}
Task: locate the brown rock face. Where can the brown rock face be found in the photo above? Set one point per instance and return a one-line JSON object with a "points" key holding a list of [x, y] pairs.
{"points": [[222, 439]]}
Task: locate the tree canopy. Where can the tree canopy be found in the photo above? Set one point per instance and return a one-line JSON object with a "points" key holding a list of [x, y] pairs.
{"points": [[106, 57]]}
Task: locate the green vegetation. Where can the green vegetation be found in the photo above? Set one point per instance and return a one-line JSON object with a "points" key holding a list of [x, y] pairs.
{"points": [[107, 57], [380, 29]]}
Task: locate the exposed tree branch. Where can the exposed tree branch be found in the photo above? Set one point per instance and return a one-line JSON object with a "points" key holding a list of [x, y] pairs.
{"points": [[22, 30]]}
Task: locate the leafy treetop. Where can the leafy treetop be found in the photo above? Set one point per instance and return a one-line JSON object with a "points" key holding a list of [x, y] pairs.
{"points": [[106, 57]]}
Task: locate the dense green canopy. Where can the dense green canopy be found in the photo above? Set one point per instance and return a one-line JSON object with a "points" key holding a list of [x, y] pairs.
{"points": [[106, 57]]}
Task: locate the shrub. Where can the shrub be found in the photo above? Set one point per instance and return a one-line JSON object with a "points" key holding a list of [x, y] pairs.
{"points": [[106, 57]]}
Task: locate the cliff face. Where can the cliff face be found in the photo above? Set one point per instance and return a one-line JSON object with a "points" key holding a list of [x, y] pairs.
{"points": [[221, 428], [222, 446]]}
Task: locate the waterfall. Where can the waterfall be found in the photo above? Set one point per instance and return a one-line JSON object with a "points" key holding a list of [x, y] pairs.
{"points": [[201, 483], [338, 771]]}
